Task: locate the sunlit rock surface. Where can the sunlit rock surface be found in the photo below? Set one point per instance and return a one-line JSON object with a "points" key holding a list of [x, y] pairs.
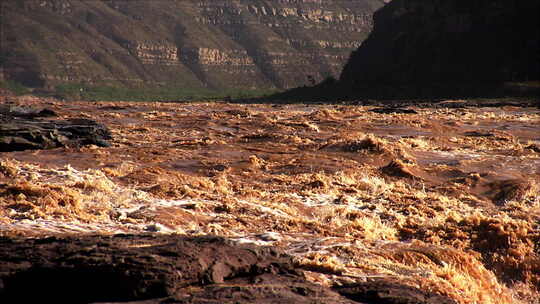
{"points": [[204, 43]]}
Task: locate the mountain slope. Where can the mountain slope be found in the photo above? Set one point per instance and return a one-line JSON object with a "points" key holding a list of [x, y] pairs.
{"points": [[205, 43]]}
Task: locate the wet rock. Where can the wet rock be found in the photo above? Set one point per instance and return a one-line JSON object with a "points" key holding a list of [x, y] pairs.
{"points": [[173, 269], [169, 268], [30, 134], [258, 137], [533, 147], [479, 134], [219, 167], [270, 236], [113, 108], [239, 113], [509, 190], [399, 169], [315, 185], [158, 228], [380, 291], [495, 135], [24, 112], [265, 288], [368, 144], [393, 111]]}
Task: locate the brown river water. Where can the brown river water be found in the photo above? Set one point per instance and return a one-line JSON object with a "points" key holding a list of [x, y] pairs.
{"points": [[340, 187]]}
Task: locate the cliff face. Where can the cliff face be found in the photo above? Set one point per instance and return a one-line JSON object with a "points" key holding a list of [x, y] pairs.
{"points": [[204, 43], [461, 41]]}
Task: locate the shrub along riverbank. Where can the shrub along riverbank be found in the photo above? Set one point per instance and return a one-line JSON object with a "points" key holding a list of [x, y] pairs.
{"points": [[110, 93]]}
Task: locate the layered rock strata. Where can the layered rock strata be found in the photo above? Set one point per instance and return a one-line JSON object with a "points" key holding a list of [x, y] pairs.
{"points": [[247, 44]]}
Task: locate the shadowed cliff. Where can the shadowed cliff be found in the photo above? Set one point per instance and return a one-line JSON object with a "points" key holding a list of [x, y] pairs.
{"points": [[426, 49], [422, 42]]}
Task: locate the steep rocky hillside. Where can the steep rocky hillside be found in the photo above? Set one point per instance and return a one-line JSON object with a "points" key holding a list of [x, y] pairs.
{"points": [[419, 43], [204, 43]]}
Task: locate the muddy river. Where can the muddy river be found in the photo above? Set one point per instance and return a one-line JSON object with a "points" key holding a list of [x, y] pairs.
{"points": [[441, 198]]}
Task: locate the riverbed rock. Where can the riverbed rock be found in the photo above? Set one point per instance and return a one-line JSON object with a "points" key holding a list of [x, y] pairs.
{"points": [[136, 268], [30, 133], [152, 268]]}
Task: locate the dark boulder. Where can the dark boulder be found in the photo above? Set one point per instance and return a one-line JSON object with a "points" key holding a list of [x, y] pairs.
{"points": [[171, 269], [393, 111], [22, 130], [155, 269], [25, 112]]}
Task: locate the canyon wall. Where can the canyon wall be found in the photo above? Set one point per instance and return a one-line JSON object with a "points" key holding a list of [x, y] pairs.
{"points": [[418, 43], [181, 43]]}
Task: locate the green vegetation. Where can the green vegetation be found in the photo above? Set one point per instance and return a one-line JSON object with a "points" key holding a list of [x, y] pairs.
{"points": [[15, 87], [108, 93]]}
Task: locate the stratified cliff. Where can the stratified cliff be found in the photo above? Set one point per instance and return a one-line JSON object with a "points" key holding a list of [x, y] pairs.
{"points": [[203, 43], [419, 43]]}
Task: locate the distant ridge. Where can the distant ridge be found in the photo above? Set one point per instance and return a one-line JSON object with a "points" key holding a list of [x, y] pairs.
{"points": [[207, 43]]}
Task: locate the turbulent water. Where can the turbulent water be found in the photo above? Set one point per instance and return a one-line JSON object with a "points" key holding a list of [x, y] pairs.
{"points": [[443, 198]]}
